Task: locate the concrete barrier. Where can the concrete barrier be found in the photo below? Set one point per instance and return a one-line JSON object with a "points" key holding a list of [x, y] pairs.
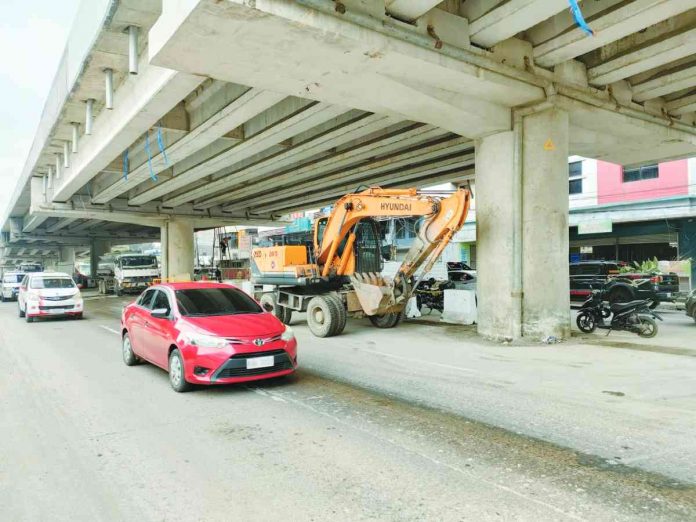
{"points": [[460, 307]]}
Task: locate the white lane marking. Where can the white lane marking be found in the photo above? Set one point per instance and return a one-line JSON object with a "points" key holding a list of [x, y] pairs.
{"points": [[462, 471], [110, 329], [419, 361]]}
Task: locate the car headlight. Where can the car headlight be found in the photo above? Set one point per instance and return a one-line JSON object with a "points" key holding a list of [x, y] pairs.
{"points": [[76, 295], [205, 341], [32, 297], [288, 334]]}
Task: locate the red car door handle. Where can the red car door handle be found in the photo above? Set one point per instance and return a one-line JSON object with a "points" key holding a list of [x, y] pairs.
{"points": [[147, 323]]}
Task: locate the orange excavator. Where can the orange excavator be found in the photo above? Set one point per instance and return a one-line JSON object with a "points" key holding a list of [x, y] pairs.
{"points": [[337, 272]]}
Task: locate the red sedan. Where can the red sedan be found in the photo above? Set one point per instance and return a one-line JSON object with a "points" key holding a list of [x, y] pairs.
{"points": [[206, 333]]}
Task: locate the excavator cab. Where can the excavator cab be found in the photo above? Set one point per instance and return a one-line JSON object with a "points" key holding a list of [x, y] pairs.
{"points": [[368, 247]]}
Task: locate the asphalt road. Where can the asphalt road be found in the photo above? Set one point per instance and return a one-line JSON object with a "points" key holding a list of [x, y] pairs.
{"points": [[376, 425]]}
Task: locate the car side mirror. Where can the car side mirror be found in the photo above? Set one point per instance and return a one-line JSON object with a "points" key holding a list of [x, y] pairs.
{"points": [[160, 313], [268, 307]]}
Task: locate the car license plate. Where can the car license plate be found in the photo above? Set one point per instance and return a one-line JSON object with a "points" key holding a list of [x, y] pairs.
{"points": [[55, 311], [259, 362]]}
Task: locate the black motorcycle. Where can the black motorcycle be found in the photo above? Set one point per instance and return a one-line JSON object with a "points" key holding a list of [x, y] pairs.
{"points": [[633, 316]]}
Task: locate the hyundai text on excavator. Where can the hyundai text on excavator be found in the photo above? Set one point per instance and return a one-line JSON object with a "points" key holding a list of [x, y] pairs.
{"points": [[338, 273]]}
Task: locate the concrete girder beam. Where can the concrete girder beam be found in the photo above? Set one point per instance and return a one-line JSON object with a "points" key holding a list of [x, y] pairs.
{"points": [[151, 216], [643, 59], [305, 119], [310, 201], [343, 134], [248, 105], [32, 222], [140, 102], [616, 24], [60, 224], [665, 84], [426, 157], [409, 10], [87, 224], [340, 183], [398, 140], [85, 239], [379, 66], [601, 132], [510, 18], [25, 258], [681, 106]]}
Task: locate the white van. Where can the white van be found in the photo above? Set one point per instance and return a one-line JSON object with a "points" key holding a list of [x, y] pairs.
{"points": [[9, 288], [44, 294]]}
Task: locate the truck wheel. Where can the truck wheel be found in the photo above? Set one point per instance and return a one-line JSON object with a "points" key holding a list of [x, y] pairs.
{"points": [[342, 314], [620, 295], [321, 316], [287, 314], [386, 320], [272, 300]]}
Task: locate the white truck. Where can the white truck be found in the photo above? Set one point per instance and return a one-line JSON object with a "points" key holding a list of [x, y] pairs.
{"points": [[131, 273]]}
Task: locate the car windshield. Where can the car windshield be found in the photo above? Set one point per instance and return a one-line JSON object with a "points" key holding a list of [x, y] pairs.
{"points": [[138, 261], [200, 302], [52, 282], [13, 278]]}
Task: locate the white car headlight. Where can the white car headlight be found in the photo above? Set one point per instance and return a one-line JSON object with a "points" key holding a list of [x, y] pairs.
{"points": [[32, 297], [205, 341], [288, 334]]}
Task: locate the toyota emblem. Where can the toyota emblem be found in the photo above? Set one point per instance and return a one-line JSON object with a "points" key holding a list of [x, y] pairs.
{"points": [[259, 342]]}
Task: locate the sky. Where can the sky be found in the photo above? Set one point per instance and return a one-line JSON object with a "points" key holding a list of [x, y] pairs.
{"points": [[32, 38]]}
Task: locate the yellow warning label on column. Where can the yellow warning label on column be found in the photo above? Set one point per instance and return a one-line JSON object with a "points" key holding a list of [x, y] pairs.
{"points": [[549, 145]]}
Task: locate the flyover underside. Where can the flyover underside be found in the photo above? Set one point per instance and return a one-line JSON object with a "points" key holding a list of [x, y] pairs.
{"points": [[241, 115]]}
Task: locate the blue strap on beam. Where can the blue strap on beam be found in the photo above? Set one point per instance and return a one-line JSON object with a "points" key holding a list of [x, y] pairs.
{"points": [[579, 19], [148, 150], [125, 165], [160, 143]]}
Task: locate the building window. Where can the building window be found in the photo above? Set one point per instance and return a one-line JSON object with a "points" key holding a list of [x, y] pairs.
{"points": [[575, 177], [641, 173]]}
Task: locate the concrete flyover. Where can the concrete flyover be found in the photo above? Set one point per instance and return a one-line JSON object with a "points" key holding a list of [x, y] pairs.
{"points": [[175, 115]]}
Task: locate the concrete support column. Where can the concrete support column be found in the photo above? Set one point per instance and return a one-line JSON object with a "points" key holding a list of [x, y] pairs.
{"points": [[499, 302], [98, 248], [522, 229], [177, 249], [67, 255]]}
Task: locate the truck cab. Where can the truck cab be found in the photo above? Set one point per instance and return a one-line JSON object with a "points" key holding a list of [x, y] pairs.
{"points": [[134, 272]]}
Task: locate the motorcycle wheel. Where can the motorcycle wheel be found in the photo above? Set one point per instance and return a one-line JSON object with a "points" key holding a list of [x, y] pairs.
{"points": [[647, 327], [586, 322]]}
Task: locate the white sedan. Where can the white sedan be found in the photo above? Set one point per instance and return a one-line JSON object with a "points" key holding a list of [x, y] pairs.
{"points": [[49, 294]]}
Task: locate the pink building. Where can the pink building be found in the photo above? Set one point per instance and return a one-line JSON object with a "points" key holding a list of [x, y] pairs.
{"points": [[616, 184]]}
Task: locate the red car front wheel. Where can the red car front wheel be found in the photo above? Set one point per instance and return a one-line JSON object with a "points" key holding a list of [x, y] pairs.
{"points": [[177, 376]]}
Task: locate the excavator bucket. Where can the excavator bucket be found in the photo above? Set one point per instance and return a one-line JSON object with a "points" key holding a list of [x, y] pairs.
{"points": [[375, 293]]}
